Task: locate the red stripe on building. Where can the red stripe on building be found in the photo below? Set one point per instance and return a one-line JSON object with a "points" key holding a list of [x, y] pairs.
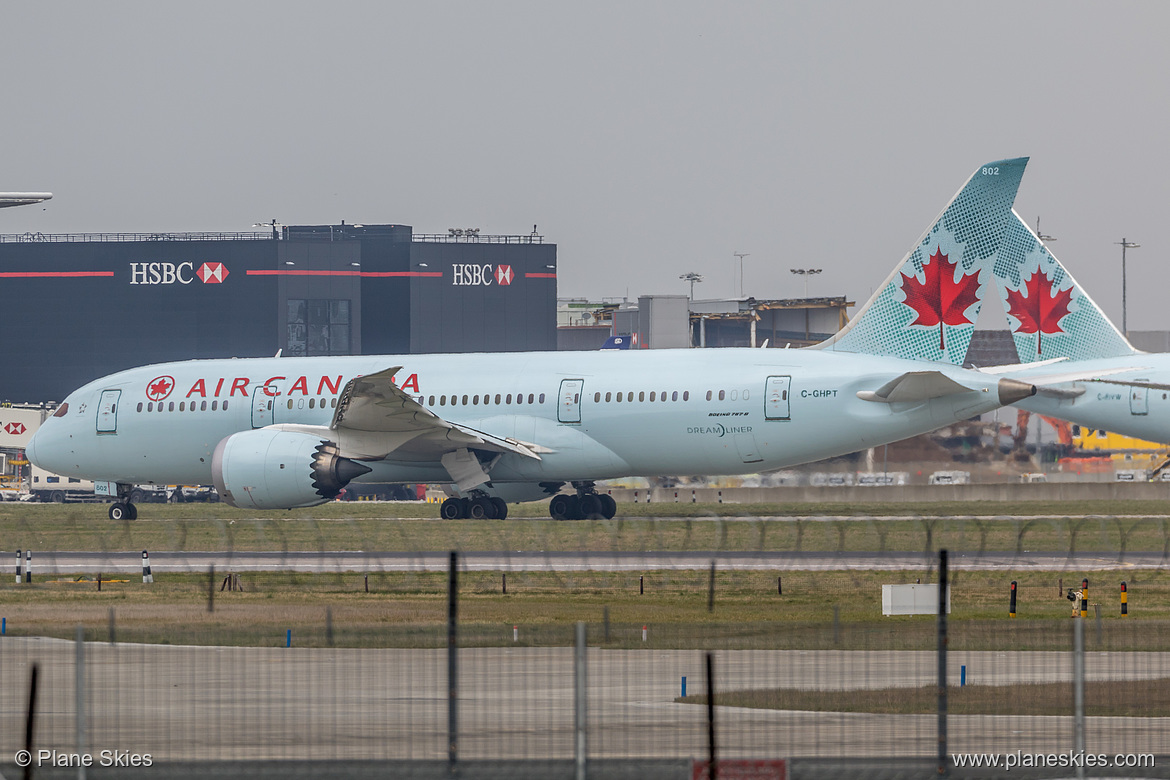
{"points": [[42, 274], [368, 274]]}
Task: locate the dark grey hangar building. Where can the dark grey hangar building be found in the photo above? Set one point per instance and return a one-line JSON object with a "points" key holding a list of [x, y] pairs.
{"points": [[78, 307]]}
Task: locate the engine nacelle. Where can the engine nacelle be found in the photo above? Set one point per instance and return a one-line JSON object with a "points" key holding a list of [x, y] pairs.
{"points": [[274, 469]]}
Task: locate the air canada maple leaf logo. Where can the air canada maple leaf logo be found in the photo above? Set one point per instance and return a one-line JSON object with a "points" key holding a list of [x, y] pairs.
{"points": [[159, 388], [939, 299], [1041, 310]]}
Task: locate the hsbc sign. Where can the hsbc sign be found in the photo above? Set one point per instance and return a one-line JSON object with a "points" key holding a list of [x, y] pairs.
{"points": [[471, 274], [177, 273]]}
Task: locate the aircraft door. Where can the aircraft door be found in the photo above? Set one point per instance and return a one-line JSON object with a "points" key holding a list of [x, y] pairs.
{"points": [[776, 406], [1139, 399], [262, 404], [569, 405], [107, 416]]}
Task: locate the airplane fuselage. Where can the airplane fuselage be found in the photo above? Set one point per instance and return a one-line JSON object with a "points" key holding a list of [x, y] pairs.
{"points": [[1141, 412], [724, 411]]}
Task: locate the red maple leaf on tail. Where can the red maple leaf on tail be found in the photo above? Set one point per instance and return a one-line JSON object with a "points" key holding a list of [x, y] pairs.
{"points": [[1041, 311], [940, 300]]}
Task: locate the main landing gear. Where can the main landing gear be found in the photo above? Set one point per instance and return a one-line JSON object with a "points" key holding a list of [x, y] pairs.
{"points": [[477, 507], [587, 504]]}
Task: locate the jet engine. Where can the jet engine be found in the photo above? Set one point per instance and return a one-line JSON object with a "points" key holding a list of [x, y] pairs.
{"points": [[274, 469]]}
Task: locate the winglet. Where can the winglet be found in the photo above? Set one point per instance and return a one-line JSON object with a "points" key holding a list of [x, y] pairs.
{"points": [[1050, 316], [927, 307]]}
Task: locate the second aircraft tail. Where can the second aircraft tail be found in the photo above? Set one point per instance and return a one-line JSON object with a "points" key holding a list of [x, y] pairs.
{"points": [[927, 307], [1050, 316]]}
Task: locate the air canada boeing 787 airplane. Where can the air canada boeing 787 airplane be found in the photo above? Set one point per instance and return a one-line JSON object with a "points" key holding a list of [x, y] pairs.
{"points": [[278, 433], [1089, 372]]}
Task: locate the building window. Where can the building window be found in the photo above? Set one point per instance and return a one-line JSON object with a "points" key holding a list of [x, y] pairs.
{"points": [[318, 326]]}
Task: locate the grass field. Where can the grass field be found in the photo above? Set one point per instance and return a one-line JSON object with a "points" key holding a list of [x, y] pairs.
{"points": [[1033, 527], [817, 609]]}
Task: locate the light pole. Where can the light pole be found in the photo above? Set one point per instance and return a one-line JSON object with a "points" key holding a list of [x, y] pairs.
{"points": [[691, 277], [806, 273], [1124, 246], [741, 256]]}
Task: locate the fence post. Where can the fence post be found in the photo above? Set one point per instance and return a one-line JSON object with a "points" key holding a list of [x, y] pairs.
{"points": [[580, 722], [1079, 690], [1124, 599], [1012, 606], [1085, 598], [30, 719], [711, 589], [712, 766], [19, 567], [452, 667], [943, 758], [79, 697]]}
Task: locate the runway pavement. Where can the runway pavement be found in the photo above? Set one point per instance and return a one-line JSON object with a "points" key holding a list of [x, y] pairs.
{"points": [[59, 563], [216, 703]]}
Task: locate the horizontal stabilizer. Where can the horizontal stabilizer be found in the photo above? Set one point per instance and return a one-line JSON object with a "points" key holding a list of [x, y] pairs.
{"points": [[1048, 384], [914, 386], [918, 386]]}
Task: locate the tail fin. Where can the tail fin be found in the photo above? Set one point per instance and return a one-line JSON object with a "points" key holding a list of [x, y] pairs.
{"points": [[926, 309], [1050, 316]]}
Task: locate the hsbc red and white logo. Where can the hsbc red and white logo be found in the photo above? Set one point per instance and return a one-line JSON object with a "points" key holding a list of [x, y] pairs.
{"points": [[15, 428], [177, 273], [160, 387], [475, 275], [212, 273]]}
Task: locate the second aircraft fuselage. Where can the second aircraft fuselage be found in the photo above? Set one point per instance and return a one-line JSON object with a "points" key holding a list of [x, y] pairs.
{"points": [[1141, 412]]}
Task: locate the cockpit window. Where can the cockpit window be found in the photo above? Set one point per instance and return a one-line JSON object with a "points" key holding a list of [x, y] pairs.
{"points": [[62, 410]]}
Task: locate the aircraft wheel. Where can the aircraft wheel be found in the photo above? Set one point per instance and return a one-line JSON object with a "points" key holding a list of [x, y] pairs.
{"points": [[481, 509], [501, 508], [559, 508], [575, 512], [590, 505], [118, 511], [131, 512], [451, 509], [608, 506]]}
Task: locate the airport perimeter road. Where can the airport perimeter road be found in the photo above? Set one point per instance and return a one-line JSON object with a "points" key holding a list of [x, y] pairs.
{"points": [[356, 561], [221, 703]]}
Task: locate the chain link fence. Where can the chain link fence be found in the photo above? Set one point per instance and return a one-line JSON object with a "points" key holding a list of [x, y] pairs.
{"points": [[607, 699]]}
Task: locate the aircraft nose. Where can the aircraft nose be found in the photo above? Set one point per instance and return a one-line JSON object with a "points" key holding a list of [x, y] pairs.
{"points": [[30, 449]]}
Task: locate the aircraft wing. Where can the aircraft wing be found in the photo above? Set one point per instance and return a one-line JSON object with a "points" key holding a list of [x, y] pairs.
{"points": [[1046, 383], [375, 418], [8, 199]]}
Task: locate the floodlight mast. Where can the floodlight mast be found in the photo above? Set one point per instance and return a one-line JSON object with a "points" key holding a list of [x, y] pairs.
{"points": [[691, 277]]}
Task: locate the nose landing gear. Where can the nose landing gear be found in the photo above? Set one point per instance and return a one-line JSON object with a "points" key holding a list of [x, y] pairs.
{"points": [[123, 511], [123, 508]]}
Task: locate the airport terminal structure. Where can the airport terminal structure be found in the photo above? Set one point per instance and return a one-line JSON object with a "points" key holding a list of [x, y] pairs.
{"points": [[81, 306]]}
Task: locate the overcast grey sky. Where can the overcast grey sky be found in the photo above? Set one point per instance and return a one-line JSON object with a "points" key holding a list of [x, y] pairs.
{"points": [[644, 139]]}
